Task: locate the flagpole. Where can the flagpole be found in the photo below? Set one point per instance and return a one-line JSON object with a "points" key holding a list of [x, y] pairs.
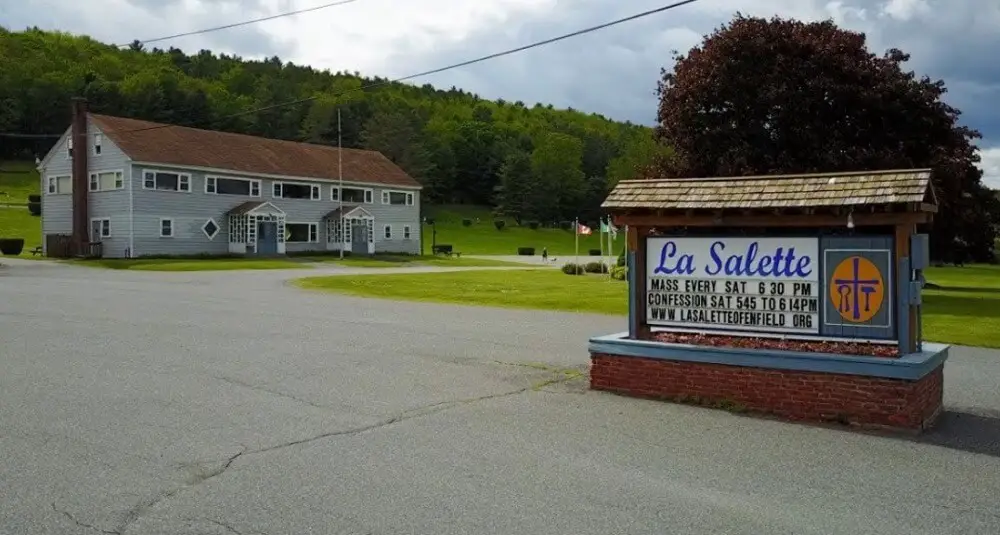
{"points": [[601, 238], [576, 234], [340, 184]]}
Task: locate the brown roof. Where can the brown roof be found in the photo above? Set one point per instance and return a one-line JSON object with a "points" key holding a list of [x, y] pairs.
{"points": [[244, 208], [335, 213], [145, 141], [782, 191]]}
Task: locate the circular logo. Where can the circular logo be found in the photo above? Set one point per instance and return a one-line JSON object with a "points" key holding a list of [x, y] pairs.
{"points": [[857, 289]]}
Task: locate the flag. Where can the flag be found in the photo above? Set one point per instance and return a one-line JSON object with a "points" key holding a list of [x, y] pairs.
{"points": [[582, 230]]}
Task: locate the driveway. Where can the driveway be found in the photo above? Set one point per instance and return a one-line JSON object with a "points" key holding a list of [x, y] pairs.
{"points": [[220, 403]]}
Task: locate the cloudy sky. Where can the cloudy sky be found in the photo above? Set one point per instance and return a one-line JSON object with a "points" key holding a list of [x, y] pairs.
{"points": [[613, 71]]}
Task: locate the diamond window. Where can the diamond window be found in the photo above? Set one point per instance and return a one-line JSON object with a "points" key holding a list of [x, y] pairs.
{"points": [[210, 228]]}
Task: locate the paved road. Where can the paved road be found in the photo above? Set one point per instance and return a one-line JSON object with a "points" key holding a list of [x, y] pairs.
{"points": [[215, 403]]}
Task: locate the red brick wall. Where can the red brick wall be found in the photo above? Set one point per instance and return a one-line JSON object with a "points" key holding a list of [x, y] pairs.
{"points": [[795, 395]]}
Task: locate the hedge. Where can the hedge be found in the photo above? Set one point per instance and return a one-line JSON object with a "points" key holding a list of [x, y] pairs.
{"points": [[573, 269], [595, 267], [526, 251], [11, 246]]}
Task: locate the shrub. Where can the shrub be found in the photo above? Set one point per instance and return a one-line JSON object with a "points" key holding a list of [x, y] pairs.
{"points": [[595, 267], [35, 208], [619, 273], [11, 246], [466, 222], [595, 252], [526, 251], [621, 259], [533, 225], [499, 223], [429, 220], [573, 269], [34, 197]]}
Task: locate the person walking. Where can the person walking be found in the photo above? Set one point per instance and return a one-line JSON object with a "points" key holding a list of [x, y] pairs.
{"points": [[545, 254]]}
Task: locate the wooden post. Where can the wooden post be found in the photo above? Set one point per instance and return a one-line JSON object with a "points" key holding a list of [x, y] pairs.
{"points": [[637, 277], [908, 317]]}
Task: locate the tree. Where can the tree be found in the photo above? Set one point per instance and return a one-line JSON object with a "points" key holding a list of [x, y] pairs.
{"points": [[516, 194], [781, 96], [556, 165], [641, 151]]}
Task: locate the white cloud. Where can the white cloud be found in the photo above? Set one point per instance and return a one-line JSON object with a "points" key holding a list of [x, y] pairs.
{"points": [[613, 71], [991, 166]]}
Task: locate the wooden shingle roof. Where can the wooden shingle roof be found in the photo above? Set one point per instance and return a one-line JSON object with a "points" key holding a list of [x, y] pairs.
{"points": [[158, 143], [775, 192]]}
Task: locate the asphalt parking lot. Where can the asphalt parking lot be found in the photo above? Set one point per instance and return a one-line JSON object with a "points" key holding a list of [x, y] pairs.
{"points": [[215, 403]]}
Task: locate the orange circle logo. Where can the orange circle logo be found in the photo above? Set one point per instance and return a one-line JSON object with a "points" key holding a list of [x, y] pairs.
{"points": [[857, 289]]}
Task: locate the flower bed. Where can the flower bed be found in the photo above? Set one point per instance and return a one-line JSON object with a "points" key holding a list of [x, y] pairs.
{"points": [[806, 346]]}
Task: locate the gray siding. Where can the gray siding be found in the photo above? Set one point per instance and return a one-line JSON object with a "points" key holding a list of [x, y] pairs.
{"points": [[191, 210], [57, 209]]}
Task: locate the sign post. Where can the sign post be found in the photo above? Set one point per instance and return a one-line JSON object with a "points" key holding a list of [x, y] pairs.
{"points": [[742, 290]]}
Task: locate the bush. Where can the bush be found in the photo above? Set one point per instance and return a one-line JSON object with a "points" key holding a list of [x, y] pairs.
{"points": [[621, 259], [35, 208], [429, 220], [533, 225], [573, 269], [34, 197], [466, 222], [499, 223], [595, 267], [619, 273], [526, 251], [11, 246], [595, 252]]}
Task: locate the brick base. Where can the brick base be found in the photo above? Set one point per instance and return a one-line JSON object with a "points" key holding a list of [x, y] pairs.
{"points": [[795, 395]]}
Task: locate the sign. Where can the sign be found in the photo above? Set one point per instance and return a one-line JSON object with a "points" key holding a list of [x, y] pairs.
{"points": [[857, 289], [763, 285]]}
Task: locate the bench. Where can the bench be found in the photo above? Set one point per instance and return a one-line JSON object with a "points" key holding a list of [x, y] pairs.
{"points": [[445, 250], [36, 251]]}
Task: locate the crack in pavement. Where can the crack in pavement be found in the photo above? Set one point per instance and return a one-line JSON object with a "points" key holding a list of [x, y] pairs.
{"points": [[135, 512], [278, 393], [82, 524]]}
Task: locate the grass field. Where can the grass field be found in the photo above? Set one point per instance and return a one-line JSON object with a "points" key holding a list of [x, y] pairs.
{"points": [[483, 238], [17, 181], [964, 310], [297, 262]]}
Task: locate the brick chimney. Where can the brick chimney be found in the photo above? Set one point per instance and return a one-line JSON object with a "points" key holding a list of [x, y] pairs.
{"points": [[81, 179]]}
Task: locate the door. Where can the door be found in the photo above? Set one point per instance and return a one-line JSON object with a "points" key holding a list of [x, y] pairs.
{"points": [[95, 230], [359, 237], [267, 238]]}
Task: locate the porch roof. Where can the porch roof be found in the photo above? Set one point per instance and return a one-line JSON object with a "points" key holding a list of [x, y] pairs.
{"points": [[346, 211], [251, 206]]}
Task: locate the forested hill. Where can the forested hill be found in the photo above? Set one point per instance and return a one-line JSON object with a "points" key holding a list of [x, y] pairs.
{"points": [[535, 162]]}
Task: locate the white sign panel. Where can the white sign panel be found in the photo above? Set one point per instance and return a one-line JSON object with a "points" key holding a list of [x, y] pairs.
{"points": [[765, 285]]}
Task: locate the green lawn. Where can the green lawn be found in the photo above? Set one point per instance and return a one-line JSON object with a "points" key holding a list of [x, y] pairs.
{"points": [[966, 310], [482, 238], [176, 264], [297, 262], [18, 179]]}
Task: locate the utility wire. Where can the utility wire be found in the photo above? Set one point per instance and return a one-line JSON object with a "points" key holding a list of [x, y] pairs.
{"points": [[417, 75], [243, 23]]}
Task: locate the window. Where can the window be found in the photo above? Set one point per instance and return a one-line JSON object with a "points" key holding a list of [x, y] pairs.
{"points": [[100, 228], [166, 181], [166, 227], [69, 146], [58, 185], [301, 232], [107, 181], [406, 232], [289, 190], [387, 232], [397, 197], [210, 228], [353, 195], [97, 144], [232, 186]]}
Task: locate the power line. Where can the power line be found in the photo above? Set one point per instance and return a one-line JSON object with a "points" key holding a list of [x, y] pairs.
{"points": [[243, 23], [425, 73]]}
